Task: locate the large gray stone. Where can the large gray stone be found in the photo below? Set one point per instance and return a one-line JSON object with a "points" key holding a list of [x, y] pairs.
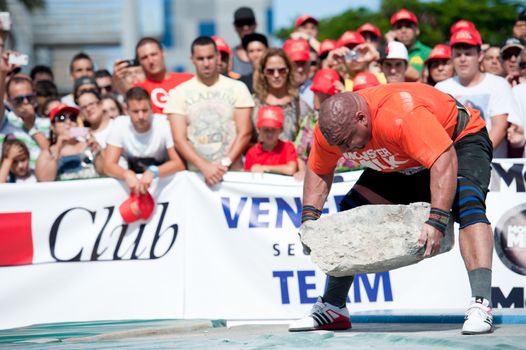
{"points": [[369, 239]]}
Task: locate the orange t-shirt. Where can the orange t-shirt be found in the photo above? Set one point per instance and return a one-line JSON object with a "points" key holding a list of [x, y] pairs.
{"points": [[159, 90], [412, 125]]}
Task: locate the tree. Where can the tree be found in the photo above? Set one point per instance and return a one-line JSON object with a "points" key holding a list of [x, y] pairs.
{"points": [[493, 18]]}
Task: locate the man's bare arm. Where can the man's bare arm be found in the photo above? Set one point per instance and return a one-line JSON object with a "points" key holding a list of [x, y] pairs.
{"points": [[243, 132], [499, 127]]}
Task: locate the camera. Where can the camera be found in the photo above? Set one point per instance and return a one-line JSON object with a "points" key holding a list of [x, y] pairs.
{"points": [[5, 21], [132, 62], [18, 59], [351, 55], [78, 133]]}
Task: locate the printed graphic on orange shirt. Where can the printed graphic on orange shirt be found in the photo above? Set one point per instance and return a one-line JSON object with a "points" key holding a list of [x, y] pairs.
{"points": [[377, 159]]}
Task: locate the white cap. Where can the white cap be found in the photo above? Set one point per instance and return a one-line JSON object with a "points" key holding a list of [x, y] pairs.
{"points": [[396, 50]]}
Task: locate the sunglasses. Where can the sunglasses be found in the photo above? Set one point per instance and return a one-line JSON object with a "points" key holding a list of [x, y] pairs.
{"points": [[107, 88], [401, 24], [522, 65], [370, 36], [63, 117], [19, 100], [272, 71], [244, 23], [506, 55]]}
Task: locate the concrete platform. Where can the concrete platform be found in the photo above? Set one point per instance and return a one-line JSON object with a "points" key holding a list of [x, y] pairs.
{"points": [[387, 330]]}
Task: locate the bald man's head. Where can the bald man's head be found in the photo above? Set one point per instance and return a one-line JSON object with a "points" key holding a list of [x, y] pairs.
{"points": [[339, 116]]}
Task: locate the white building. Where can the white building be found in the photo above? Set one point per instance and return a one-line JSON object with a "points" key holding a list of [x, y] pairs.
{"points": [[109, 29]]}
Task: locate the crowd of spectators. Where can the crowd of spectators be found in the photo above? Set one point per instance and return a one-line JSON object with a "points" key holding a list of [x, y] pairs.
{"points": [[251, 107]]}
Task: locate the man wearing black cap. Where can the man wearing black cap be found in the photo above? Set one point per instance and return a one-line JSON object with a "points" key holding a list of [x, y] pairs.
{"points": [[244, 23], [255, 44], [84, 83]]}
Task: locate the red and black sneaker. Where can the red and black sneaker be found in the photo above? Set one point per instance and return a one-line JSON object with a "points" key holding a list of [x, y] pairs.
{"points": [[323, 316]]}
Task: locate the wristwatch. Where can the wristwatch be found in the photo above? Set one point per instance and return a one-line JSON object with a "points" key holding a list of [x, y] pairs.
{"points": [[225, 161], [154, 169]]}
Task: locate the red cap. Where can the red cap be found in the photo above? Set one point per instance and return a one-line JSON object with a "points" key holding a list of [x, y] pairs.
{"points": [[404, 14], [324, 81], [326, 46], [297, 49], [222, 46], [137, 207], [466, 36], [350, 38], [62, 107], [368, 27], [438, 52], [364, 80], [462, 24], [302, 19], [270, 117]]}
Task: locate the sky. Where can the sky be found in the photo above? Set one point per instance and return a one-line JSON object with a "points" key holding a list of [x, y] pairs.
{"points": [[286, 11]]}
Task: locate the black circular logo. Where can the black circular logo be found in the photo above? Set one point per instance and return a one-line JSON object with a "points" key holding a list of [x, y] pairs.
{"points": [[510, 239]]}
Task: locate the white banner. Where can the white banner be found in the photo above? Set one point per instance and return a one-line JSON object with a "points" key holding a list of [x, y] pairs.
{"points": [[230, 252]]}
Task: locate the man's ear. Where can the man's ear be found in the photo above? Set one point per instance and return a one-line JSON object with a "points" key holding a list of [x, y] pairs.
{"points": [[481, 57]]}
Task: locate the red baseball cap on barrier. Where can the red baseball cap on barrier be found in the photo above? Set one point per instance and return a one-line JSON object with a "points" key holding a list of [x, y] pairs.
{"points": [[297, 49], [270, 117], [466, 36], [350, 38], [364, 80], [324, 81], [137, 207], [404, 14], [302, 19], [221, 45], [439, 51], [461, 24], [326, 46], [368, 27]]}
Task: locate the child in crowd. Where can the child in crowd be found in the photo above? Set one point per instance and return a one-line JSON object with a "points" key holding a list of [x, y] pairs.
{"points": [[271, 154], [15, 162]]}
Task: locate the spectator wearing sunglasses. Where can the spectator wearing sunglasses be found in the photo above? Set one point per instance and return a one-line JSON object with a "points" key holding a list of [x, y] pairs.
{"points": [[404, 28], [275, 85], [371, 34], [510, 56], [44, 90], [244, 24], [21, 119], [73, 154], [104, 81]]}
